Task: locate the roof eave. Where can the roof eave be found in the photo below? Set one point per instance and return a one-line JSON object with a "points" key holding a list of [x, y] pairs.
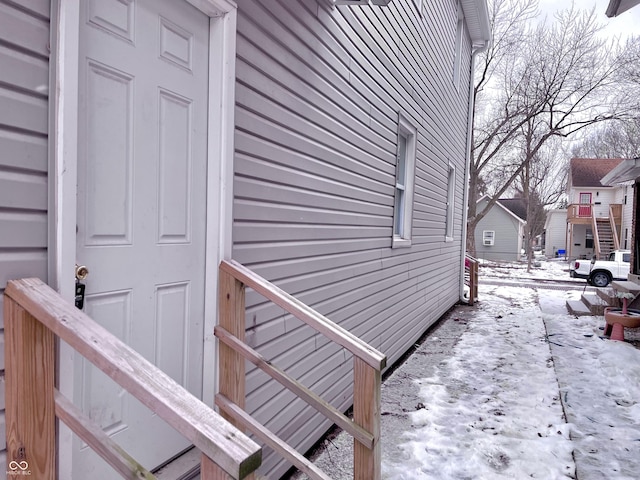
{"points": [[476, 14], [616, 7], [626, 171]]}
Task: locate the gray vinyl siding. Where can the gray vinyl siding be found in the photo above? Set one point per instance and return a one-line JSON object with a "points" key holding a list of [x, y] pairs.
{"points": [[24, 82], [318, 94], [507, 240], [627, 218]]}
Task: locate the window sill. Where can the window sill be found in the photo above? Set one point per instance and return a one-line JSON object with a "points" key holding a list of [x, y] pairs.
{"points": [[398, 242]]}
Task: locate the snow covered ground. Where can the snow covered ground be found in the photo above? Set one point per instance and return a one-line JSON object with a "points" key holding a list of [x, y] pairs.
{"points": [[524, 391]]}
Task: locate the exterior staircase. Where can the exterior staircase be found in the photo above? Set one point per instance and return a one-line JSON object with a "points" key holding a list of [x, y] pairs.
{"points": [[593, 303], [605, 236]]}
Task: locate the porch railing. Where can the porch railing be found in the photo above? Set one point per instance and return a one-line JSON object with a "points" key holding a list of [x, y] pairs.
{"points": [[580, 211], [584, 212], [368, 364], [34, 314]]}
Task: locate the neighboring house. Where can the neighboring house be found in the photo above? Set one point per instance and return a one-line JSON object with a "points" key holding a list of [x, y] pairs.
{"points": [[324, 147], [500, 234], [595, 212], [555, 233], [626, 177]]}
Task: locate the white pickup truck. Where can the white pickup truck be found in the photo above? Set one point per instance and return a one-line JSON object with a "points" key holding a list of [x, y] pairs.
{"points": [[601, 272]]}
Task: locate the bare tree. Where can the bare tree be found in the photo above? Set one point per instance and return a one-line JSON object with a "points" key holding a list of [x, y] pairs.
{"points": [[620, 138], [546, 80], [631, 61], [617, 139], [541, 183]]}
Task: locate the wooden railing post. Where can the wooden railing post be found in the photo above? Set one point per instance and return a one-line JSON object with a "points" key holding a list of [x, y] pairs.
{"points": [[366, 414], [29, 386], [232, 315], [473, 287], [613, 222], [596, 235], [231, 363]]}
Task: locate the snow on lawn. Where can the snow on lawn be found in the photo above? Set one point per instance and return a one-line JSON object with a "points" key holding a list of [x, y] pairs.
{"points": [[492, 409], [495, 408], [556, 269]]}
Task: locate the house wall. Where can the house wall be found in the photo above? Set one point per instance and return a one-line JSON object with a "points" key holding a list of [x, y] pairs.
{"points": [[508, 235], [578, 248], [24, 82], [555, 232], [318, 94], [626, 199]]}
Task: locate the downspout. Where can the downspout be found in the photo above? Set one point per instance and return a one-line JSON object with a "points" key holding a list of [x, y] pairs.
{"points": [[476, 49]]}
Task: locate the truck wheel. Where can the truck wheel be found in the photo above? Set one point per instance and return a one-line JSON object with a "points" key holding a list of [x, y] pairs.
{"points": [[600, 279]]}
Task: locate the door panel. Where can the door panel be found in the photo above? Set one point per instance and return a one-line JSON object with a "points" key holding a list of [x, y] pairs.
{"points": [[141, 207], [584, 209]]}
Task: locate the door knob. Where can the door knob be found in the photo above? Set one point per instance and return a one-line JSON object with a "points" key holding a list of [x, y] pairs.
{"points": [[81, 272]]}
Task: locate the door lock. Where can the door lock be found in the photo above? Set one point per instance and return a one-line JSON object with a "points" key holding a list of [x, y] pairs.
{"points": [[81, 274]]}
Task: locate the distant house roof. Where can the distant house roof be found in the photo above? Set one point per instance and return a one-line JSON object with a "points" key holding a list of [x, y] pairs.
{"points": [[515, 206], [587, 172], [508, 205]]}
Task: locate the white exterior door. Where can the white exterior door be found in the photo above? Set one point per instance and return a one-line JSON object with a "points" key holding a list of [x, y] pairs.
{"points": [[141, 212]]}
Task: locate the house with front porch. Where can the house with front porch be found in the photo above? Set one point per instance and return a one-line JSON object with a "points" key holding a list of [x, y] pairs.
{"points": [[167, 144], [597, 214]]}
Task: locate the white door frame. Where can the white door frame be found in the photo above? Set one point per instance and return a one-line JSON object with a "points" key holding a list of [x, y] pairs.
{"points": [[63, 176]]}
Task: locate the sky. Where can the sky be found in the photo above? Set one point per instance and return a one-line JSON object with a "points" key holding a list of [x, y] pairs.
{"points": [[626, 24]]}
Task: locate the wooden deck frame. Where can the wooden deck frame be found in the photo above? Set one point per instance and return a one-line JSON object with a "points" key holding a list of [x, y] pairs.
{"points": [[587, 216], [471, 278], [368, 365], [34, 314]]}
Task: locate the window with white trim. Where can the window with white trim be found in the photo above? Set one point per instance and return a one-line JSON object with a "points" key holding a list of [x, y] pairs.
{"points": [[451, 184], [488, 237], [405, 173]]}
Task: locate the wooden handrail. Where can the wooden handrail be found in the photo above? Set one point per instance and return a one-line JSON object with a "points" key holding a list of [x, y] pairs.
{"points": [[596, 236], [294, 386], [368, 365], [33, 313], [270, 438], [305, 313], [613, 214], [93, 435]]}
